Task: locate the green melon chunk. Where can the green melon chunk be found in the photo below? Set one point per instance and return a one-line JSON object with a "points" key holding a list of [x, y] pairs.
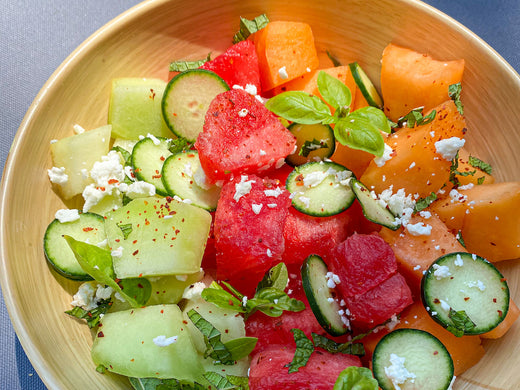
{"points": [[157, 236], [125, 344], [168, 289], [135, 108]]}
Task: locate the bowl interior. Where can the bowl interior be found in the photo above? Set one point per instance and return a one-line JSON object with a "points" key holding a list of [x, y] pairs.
{"points": [[141, 43]]}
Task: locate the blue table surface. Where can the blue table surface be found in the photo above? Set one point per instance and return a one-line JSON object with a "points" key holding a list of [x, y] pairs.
{"points": [[36, 36]]}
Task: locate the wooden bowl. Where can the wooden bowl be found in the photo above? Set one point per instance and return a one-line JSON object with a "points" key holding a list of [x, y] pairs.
{"points": [[142, 42]]}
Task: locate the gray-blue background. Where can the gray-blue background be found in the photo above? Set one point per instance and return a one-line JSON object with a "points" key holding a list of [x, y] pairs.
{"points": [[36, 36]]}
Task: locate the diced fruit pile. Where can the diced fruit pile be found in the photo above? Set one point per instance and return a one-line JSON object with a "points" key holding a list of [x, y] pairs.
{"points": [[208, 262]]}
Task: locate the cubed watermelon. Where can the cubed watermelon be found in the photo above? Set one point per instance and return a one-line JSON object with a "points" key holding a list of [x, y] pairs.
{"points": [[238, 65], [269, 370], [241, 136], [249, 223], [362, 262]]}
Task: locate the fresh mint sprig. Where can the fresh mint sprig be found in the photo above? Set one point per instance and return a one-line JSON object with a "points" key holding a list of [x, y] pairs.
{"points": [[248, 27], [360, 129]]}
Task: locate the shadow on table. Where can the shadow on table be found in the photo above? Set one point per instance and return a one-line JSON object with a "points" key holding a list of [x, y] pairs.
{"points": [[29, 379]]}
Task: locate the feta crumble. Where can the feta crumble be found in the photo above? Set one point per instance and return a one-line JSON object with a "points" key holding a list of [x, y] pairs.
{"points": [[256, 208], [242, 188], [162, 341], [66, 215], [332, 279], [397, 372], [458, 261], [387, 155], [140, 189], [243, 113], [449, 147], [479, 284], [419, 229], [441, 271], [58, 175], [282, 72], [274, 193]]}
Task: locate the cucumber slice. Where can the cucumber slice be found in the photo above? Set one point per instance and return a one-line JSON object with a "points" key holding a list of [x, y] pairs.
{"points": [[324, 306], [365, 86], [427, 363], [461, 281], [312, 141], [372, 209], [320, 188], [180, 177], [148, 157], [89, 228], [186, 100]]}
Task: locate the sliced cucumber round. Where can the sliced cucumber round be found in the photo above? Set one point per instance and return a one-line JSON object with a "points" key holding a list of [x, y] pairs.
{"points": [[372, 209], [365, 85], [320, 188], [148, 157], [179, 176], [186, 99], [321, 300], [465, 293], [312, 141], [89, 228], [412, 359]]}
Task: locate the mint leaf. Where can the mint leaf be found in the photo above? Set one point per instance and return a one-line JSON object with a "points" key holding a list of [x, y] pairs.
{"points": [[222, 298], [182, 66], [299, 107], [163, 384], [304, 350], [221, 382], [273, 302], [375, 116], [423, 203], [359, 133], [126, 228], [356, 378], [101, 369], [460, 239], [248, 27], [97, 263], [415, 118], [461, 322], [241, 347], [309, 146], [241, 382], [125, 153], [478, 163], [91, 316], [178, 145], [276, 277], [331, 346], [334, 92], [481, 179], [454, 91], [215, 347], [333, 59]]}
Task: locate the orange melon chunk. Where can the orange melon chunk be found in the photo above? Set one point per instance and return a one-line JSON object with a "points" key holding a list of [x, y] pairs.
{"points": [[354, 159], [416, 166], [285, 51], [410, 79]]}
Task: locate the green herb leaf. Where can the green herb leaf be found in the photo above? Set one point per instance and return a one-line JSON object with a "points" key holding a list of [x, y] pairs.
{"points": [[178, 145], [97, 263], [356, 378], [454, 91], [481, 179], [91, 316], [304, 350], [423, 203], [478, 163], [248, 27], [299, 107], [273, 302], [138, 289], [415, 118], [182, 66], [222, 298], [334, 92], [215, 347], [359, 133], [126, 228], [333, 59], [276, 277], [222, 382], [460, 239], [124, 153], [101, 369], [241, 382], [309, 146], [376, 116], [163, 384], [331, 346], [241, 347], [461, 322], [453, 170]]}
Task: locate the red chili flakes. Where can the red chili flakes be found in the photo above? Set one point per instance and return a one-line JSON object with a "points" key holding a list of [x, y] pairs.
{"points": [[185, 322], [140, 276], [162, 158], [299, 180], [500, 313], [494, 300], [113, 181], [230, 302], [152, 94], [146, 222], [132, 360], [191, 155], [134, 242], [88, 229], [162, 311], [100, 334], [466, 298], [503, 279], [226, 331], [140, 285], [436, 352], [117, 239], [135, 253]]}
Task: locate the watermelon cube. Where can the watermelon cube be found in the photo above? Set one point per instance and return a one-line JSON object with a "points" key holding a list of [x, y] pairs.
{"points": [[241, 136], [238, 65], [248, 230]]}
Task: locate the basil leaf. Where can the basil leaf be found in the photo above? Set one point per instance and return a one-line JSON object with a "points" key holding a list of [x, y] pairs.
{"points": [[97, 263], [331, 346], [241, 347], [478, 163], [273, 302], [300, 107], [376, 116], [359, 133], [454, 91], [91, 316], [126, 228], [304, 350], [182, 66], [215, 347], [423, 203], [333, 59], [276, 277], [333, 91], [356, 378], [461, 322], [248, 27], [309, 146], [221, 298], [139, 289]]}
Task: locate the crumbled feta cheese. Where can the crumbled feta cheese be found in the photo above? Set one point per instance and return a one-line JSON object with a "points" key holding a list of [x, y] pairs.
{"points": [[118, 252], [412, 165], [314, 179], [103, 292], [244, 301], [468, 186], [330, 299], [419, 229], [449, 147], [458, 261], [478, 284], [332, 279], [399, 204], [242, 188], [272, 205], [58, 175], [306, 201], [66, 215], [154, 139], [256, 208], [193, 290], [457, 196], [140, 189], [269, 253], [162, 341], [417, 267], [387, 155], [282, 72], [425, 214], [78, 129], [243, 113], [84, 298], [262, 152], [275, 193], [441, 271], [394, 321], [53, 141], [397, 372]]}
